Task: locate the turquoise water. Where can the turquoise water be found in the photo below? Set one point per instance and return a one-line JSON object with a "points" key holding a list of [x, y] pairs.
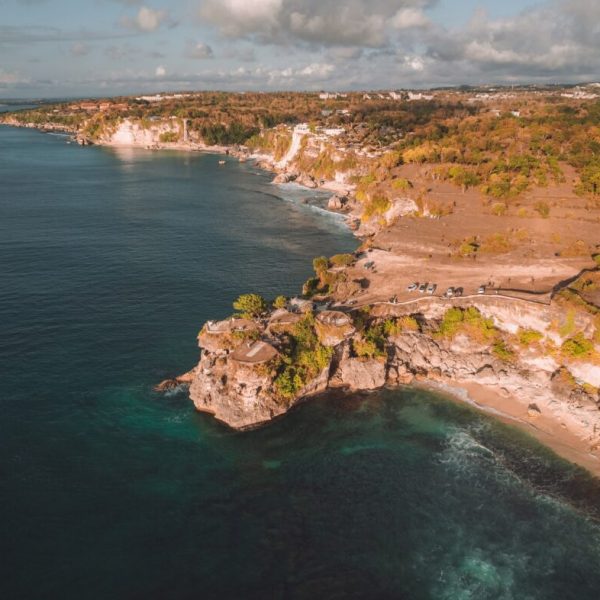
{"points": [[110, 262]]}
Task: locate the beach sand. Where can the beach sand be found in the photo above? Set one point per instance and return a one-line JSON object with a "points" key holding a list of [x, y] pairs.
{"points": [[549, 429]]}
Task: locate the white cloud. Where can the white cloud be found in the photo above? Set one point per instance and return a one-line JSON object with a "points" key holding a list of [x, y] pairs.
{"points": [[198, 50], [147, 19], [160, 71], [364, 23], [80, 49], [406, 18]]}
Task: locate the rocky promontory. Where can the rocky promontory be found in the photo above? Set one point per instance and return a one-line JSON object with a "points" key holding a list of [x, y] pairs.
{"points": [[255, 368]]}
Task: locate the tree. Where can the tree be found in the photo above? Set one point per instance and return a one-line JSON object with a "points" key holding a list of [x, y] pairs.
{"points": [[250, 305], [320, 265]]}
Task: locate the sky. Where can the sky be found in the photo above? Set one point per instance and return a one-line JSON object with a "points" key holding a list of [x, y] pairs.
{"points": [[61, 48]]}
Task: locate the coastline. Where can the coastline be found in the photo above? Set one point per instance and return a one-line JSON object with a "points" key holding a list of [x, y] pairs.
{"points": [[506, 407], [548, 428]]}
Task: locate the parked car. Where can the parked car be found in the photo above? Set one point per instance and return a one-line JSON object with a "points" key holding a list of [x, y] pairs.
{"points": [[458, 291], [431, 289], [413, 286], [422, 287], [449, 292], [481, 289]]}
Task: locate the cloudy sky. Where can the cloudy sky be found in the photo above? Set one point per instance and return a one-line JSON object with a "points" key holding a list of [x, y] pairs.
{"points": [[55, 48]]}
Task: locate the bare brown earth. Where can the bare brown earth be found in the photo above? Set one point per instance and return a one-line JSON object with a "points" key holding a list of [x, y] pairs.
{"points": [[520, 254]]}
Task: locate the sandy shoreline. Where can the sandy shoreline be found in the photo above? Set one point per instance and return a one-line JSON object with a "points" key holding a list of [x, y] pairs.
{"points": [[509, 409]]}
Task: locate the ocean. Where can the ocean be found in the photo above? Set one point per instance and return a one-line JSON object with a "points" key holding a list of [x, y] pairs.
{"points": [[110, 262]]}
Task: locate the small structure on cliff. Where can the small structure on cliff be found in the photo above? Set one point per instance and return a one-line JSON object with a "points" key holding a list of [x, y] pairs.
{"points": [[282, 320], [333, 327], [218, 336], [254, 353]]}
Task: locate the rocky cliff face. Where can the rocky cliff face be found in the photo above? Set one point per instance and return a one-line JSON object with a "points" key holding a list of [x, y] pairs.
{"points": [[245, 395]]}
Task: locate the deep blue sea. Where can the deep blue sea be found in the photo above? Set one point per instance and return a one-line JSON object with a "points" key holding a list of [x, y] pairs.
{"points": [[110, 262]]}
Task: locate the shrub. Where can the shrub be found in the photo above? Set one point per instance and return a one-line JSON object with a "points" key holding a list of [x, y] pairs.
{"points": [[468, 247], [377, 206], [280, 302], [499, 209], [577, 347], [469, 321], [502, 351], [404, 323], [342, 260], [250, 305], [305, 359], [168, 136], [401, 184], [543, 209], [365, 348], [320, 265], [529, 336]]}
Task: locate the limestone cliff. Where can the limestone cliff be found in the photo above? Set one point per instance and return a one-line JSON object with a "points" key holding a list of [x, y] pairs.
{"points": [[239, 377]]}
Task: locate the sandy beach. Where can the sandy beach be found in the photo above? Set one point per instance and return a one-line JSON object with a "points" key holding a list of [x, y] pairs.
{"points": [[546, 428]]}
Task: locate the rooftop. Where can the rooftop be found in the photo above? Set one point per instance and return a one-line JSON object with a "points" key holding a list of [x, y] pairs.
{"points": [[254, 353]]}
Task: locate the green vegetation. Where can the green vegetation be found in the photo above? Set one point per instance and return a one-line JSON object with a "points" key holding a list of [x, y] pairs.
{"points": [[325, 281], [568, 325], [169, 137], [304, 358], [376, 206], [527, 337], [401, 184], [250, 305], [502, 351], [468, 321], [577, 347], [499, 209], [280, 302], [342, 260], [396, 326], [543, 209]]}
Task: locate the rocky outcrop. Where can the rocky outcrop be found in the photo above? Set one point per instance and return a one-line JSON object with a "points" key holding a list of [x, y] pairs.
{"points": [[360, 374], [244, 395]]}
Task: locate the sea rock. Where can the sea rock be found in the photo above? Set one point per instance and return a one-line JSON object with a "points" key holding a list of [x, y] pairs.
{"points": [[307, 181], [282, 178], [337, 202]]}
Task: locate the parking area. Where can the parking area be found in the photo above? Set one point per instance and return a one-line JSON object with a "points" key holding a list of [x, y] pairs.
{"points": [[401, 278]]}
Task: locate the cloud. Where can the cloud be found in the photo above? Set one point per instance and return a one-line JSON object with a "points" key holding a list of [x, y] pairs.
{"points": [[407, 18], [558, 37], [160, 71], [80, 49], [198, 50], [34, 34], [146, 20], [8, 77], [364, 23]]}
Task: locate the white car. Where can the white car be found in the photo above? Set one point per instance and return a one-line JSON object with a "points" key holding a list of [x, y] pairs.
{"points": [[481, 289], [413, 286], [431, 289], [422, 288], [449, 292]]}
